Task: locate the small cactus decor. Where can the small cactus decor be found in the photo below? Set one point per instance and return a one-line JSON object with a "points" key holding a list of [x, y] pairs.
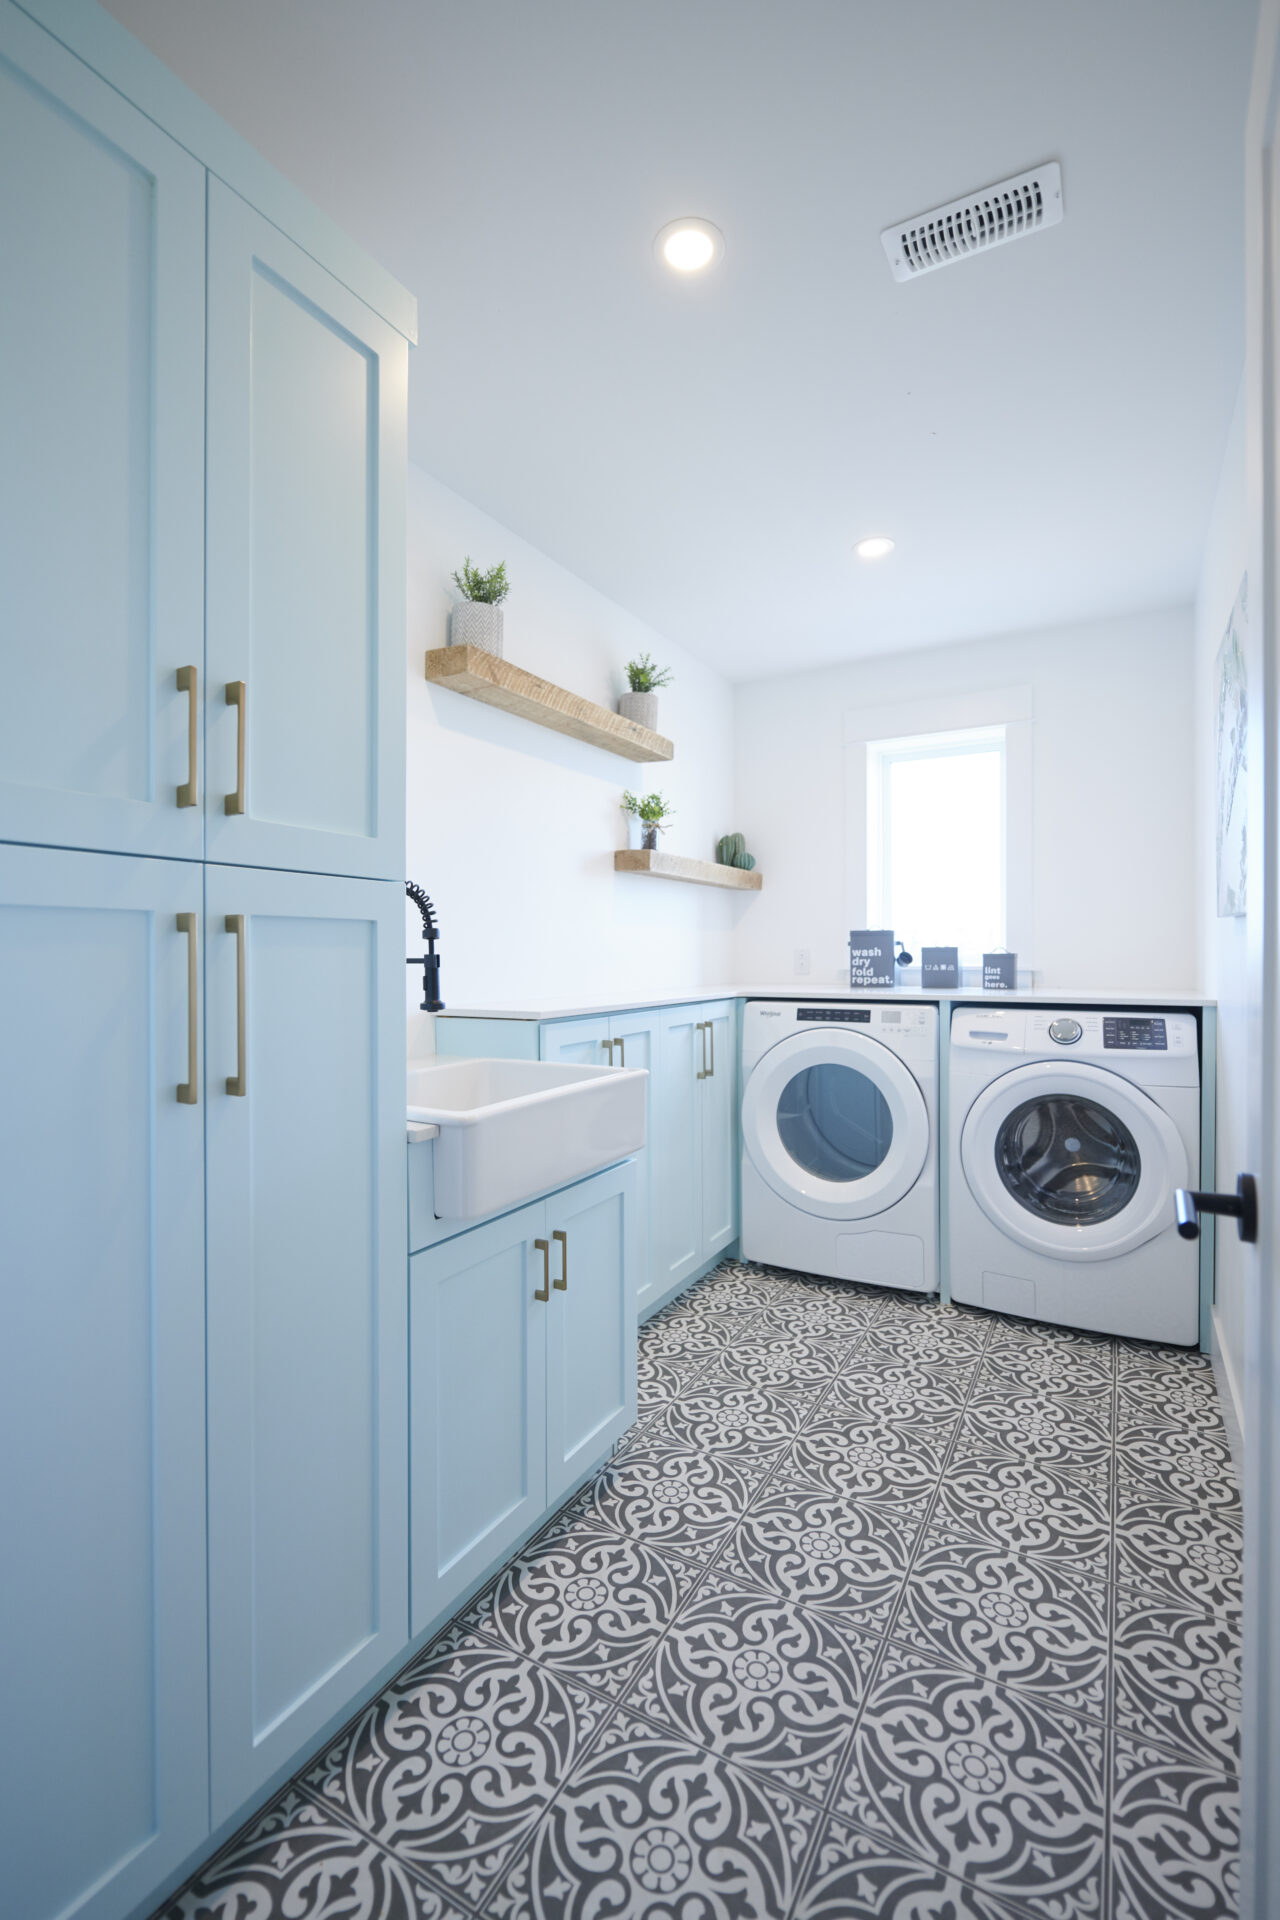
{"points": [[732, 852]]}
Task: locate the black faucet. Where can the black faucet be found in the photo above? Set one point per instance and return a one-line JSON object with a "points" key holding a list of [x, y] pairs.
{"points": [[430, 960]]}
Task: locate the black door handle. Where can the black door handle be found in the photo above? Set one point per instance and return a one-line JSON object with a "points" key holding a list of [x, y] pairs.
{"points": [[1240, 1206]]}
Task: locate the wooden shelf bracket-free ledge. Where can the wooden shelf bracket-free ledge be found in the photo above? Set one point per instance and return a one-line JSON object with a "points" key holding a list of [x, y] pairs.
{"points": [[676, 866], [483, 676]]}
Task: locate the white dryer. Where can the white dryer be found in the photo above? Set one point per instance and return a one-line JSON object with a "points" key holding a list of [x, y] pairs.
{"points": [[1070, 1132], [839, 1140]]}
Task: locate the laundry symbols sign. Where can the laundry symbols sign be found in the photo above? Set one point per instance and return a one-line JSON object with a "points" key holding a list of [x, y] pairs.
{"points": [[871, 957]]}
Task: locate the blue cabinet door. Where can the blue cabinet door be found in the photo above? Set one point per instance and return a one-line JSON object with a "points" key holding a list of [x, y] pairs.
{"points": [[677, 1150], [583, 1043], [478, 1404], [102, 475], [103, 1764], [306, 561], [591, 1325], [635, 1044], [308, 1309], [717, 1094]]}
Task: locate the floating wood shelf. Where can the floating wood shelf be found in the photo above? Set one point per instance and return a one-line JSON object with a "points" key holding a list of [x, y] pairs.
{"points": [[482, 676], [675, 866]]}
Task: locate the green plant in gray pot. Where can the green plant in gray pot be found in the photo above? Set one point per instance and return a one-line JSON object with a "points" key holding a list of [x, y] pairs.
{"points": [[654, 815], [476, 620], [641, 703]]}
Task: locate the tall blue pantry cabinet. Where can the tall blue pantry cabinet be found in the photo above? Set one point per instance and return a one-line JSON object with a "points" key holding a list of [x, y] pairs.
{"points": [[203, 1326]]}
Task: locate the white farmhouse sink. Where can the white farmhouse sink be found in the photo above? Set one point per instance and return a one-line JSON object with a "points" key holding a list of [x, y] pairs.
{"points": [[512, 1129]]}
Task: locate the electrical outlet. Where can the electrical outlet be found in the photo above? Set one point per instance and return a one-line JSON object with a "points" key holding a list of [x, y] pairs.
{"points": [[802, 960]]}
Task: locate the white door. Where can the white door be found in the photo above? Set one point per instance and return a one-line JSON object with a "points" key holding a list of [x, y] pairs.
{"points": [[836, 1124], [1259, 1016]]}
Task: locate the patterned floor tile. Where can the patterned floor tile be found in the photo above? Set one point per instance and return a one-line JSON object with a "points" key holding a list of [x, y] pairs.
{"points": [[760, 1421], [875, 1460], [683, 1333], [897, 1390], [781, 1360], [651, 1826], [1194, 1465], [296, 1859], [1050, 1519], [853, 1877], [1178, 1676], [1024, 1366], [678, 1497], [760, 1682], [813, 1315], [1174, 1837], [806, 1545], [736, 1287], [659, 1380], [925, 1340], [1190, 1553], [981, 1781], [1053, 1432], [585, 1602], [984, 1608], [452, 1765]]}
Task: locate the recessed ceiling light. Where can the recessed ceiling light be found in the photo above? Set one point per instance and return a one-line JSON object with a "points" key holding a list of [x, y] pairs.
{"points": [[689, 245], [875, 547]]}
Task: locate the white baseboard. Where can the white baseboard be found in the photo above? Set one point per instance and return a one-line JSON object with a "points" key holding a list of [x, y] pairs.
{"points": [[1230, 1396]]}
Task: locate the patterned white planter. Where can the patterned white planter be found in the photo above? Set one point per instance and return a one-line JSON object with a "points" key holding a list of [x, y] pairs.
{"points": [[475, 623], [640, 707]]}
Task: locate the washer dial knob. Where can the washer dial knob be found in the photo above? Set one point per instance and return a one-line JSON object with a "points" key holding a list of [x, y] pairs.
{"points": [[1065, 1032]]}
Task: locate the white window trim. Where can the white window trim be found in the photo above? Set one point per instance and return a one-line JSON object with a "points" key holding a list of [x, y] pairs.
{"points": [[1007, 707]]}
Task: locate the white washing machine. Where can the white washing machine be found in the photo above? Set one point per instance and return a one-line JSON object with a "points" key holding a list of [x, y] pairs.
{"points": [[1070, 1131], [839, 1140]]}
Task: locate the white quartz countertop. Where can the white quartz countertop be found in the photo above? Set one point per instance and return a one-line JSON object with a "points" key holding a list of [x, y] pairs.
{"points": [[798, 990]]}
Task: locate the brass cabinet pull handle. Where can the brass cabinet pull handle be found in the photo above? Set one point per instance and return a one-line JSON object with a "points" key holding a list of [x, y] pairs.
{"points": [[189, 1089], [622, 1053], [609, 1045], [189, 683], [562, 1284], [544, 1291], [711, 1030], [702, 1031], [238, 1082], [234, 802]]}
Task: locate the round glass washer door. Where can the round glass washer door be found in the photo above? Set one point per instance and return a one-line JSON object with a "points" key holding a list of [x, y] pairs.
{"points": [[1071, 1160], [836, 1124]]}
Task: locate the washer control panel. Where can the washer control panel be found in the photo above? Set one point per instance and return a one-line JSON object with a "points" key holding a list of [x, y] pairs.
{"points": [[1130, 1032]]}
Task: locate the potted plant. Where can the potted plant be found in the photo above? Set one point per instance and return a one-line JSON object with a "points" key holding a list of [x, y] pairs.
{"points": [[476, 621], [641, 704], [654, 816]]}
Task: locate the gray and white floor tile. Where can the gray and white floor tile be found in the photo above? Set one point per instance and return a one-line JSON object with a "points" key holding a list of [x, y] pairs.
{"points": [[884, 1610]]}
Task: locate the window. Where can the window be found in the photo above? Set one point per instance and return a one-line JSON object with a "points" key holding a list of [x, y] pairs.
{"points": [[937, 866]]}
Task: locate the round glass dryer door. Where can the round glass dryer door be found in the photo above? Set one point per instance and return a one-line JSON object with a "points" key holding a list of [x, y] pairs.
{"points": [[836, 1124], [1072, 1160]]}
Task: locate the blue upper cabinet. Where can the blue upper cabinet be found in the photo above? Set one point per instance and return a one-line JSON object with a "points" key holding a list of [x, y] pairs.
{"points": [[307, 1309], [104, 1761], [306, 561], [102, 470]]}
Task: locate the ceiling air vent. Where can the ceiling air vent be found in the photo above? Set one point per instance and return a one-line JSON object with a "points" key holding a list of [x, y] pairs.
{"points": [[1008, 211]]}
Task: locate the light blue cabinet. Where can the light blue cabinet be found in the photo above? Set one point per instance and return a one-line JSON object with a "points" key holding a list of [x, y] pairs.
{"points": [[101, 460], [306, 560], [103, 1694], [522, 1376], [307, 1319], [694, 1156], [591, 1326], [478, 1422]]}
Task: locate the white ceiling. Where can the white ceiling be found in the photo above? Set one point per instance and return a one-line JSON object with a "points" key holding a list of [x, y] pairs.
{"points": [[1039, 428]]}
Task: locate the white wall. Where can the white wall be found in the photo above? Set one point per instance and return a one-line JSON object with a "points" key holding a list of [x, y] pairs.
{"points": [[1113, 838], [1223, 942], [512, 829]]}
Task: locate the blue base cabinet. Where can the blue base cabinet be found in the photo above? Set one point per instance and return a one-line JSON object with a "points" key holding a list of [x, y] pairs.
{"points": [[104, 1700], [687, 1175], [307, 1322], [522, 1375]]}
